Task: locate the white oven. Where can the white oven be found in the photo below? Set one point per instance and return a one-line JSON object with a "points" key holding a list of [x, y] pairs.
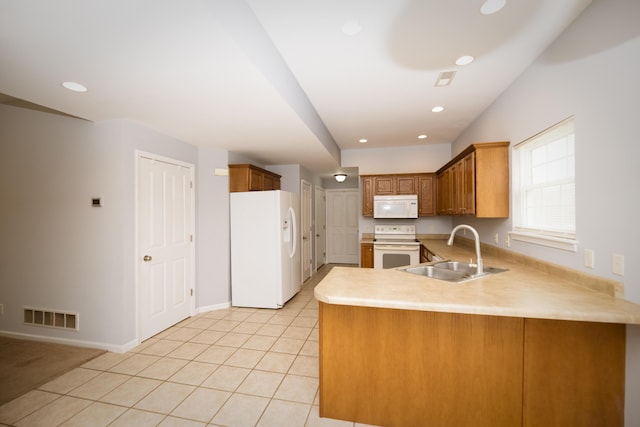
{"points": [[395, 246]]}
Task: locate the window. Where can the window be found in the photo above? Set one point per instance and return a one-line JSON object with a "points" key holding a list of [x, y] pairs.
{"points": [[545, 211]]}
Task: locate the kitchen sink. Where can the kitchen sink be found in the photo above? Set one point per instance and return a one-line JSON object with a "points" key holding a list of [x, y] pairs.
{"points": [[467, 268], [457, 266], [451, 271], [437, 273]]}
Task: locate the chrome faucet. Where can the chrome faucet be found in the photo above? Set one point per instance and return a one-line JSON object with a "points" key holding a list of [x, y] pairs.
{"points": [[477, 237]]}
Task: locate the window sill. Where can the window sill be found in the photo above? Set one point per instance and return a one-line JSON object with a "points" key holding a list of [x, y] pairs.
{"points": [[539, 239]]}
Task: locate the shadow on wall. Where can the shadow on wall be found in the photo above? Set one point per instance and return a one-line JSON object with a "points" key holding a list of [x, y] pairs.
{"points": [[601, 35]]}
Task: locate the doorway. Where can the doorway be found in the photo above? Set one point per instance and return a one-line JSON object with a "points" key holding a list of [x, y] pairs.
{"points": [[342, 226], [164, 244]]}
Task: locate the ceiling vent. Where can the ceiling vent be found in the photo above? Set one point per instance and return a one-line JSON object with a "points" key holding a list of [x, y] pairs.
{"points": [[445, 78]]}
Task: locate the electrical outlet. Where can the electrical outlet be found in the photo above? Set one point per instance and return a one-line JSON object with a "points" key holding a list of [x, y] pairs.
{"points": [[589, 258], [496, 239], [507, 241], [618, 264]]}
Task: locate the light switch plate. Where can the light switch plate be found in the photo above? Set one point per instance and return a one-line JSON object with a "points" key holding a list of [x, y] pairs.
{"points": [[618, 264], [589, 258]]}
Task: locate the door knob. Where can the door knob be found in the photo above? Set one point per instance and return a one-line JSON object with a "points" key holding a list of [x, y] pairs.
{"points": [[147, 258]]}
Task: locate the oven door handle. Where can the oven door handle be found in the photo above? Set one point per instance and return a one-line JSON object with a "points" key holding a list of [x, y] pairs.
{"points": [[403, 248]]}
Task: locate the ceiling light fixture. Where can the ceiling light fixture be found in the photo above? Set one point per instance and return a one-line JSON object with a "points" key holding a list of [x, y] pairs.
{"points": [[437, 109], [362, 141], [76, 87], [340, 177], [464, 60], [423, 136], [490, 7]]}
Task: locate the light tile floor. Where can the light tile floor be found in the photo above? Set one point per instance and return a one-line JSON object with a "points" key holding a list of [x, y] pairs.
{"points": [[231, 367]]}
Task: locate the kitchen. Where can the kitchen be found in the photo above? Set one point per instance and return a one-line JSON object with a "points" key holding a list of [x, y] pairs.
{"points": [[567, 79]]}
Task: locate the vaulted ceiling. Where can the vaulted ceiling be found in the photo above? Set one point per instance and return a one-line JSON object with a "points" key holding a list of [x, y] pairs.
{"points": [[280, 81]]}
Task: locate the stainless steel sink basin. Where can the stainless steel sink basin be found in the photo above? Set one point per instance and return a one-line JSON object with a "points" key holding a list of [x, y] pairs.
{"points": [[457, 266], [451, 271], [437, 273]]}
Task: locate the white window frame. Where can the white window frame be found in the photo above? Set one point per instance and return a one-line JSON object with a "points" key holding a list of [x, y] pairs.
{"points": [[541, 234]]}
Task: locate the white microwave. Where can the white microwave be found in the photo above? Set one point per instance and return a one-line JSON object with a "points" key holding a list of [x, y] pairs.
{"points": [[401, 206]]}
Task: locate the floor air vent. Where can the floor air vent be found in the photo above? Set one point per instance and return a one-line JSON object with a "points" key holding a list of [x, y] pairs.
{"points": [[50, 318]]}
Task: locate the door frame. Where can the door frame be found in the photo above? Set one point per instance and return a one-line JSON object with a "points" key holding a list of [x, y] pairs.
{"points": [[320, 207], [138, 255], [306, 215]]}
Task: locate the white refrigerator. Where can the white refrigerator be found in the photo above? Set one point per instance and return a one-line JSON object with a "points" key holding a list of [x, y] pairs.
{"points": [[265, 249]]}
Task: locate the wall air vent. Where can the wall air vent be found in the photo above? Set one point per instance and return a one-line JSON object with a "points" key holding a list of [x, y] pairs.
{"points": [[445, 78], [50, 318]]}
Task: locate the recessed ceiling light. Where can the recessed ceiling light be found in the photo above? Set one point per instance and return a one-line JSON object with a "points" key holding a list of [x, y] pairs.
{"points": [[423, 136], [351, 28], [464, 60], [490, 7], [437, 109], [362, 141], [76, 87]]}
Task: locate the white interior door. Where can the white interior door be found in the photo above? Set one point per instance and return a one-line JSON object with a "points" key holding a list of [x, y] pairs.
{"points": [[321, 228], [306, 230], [165, 203], [342, 226]]}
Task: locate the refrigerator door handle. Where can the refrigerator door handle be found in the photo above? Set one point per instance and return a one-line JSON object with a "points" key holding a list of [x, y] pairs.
{"points": [[294, 225]]}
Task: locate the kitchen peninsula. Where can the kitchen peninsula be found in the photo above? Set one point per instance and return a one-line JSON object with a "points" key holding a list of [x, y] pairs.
{"points": [[521, 347]]}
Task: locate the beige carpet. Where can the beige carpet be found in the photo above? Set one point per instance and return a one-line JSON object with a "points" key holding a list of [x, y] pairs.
{"points": [[26, 365]]}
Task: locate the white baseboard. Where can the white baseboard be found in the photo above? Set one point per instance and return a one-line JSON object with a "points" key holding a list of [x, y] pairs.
{"points": [[214, 307], [78, 343], [100, 345]]}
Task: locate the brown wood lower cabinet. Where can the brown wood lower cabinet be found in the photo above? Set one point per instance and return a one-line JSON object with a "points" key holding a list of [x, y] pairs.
{"points": [[413, 368], [366, 255], [573, 373]]}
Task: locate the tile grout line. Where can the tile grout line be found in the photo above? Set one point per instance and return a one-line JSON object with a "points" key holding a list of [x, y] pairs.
{"points": [[303, 307]]}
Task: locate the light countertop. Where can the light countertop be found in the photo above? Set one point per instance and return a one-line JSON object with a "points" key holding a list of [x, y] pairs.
{"points": [[522, 291]]}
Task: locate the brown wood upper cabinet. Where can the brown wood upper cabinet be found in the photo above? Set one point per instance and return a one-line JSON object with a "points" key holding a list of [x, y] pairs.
{"points": [[422, 184], [246, 177], [475, 182]]}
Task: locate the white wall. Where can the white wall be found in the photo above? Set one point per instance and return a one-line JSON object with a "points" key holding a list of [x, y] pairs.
{"points": [[57, 251], [213, 288], [349, 182], [290, 177], [590, 72], [418, 158]]}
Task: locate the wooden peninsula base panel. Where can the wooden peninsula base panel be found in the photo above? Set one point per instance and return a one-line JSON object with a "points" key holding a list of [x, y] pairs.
{"points": [[393, 367]]}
